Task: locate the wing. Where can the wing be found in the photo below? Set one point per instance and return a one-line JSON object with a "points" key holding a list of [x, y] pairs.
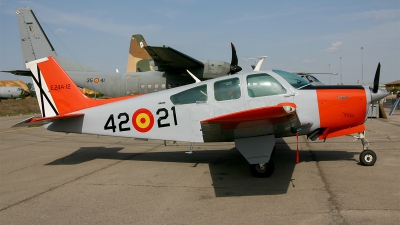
{"points": [[167, 58], [278, 120]]}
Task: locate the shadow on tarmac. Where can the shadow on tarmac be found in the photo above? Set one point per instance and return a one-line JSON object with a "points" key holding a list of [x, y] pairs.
{"points": [[228, 168]]}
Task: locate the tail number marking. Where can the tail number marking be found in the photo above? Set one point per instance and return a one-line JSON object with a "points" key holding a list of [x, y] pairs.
{"points": [[142, 120], [56, 87]]}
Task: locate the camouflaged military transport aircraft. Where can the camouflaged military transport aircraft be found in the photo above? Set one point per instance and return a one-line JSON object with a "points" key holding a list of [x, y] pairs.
{"points": [[13, 89], [169, 65], [250, 109]]}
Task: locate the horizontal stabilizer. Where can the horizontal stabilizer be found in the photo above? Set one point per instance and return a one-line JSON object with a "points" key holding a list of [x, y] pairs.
{"points": [[40, 121], [19, 72]]}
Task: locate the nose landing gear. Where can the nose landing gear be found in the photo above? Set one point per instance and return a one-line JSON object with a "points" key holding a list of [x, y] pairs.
{"points": [[367, 156]]}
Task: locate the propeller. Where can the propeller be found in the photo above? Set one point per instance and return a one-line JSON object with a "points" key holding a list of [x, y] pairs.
{"points": [[234, 62], [376, 79]]}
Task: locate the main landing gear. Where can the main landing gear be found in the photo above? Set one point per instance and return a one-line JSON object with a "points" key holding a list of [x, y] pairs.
{"points": [[258, 152], [263, 170], [367, 156]]}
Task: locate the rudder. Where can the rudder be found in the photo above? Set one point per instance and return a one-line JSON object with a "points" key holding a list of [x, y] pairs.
{"points": [[138, 58]]}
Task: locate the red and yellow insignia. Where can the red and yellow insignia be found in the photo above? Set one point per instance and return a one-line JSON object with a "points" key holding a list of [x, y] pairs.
{"points": [[96, 80], [142, 120]]}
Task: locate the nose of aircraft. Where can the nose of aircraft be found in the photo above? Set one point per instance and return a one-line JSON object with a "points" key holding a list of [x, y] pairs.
{"points": [[378, 95]]}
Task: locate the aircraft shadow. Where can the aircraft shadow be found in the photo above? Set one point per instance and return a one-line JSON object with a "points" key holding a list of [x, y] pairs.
{"points": [[228, 169]]}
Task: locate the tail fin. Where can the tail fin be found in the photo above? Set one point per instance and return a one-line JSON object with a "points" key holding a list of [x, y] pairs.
{"points": [[56, 92], [35, 44], [138, 58]]}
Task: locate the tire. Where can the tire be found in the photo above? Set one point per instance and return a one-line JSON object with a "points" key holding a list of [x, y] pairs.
{"points": [[368, 158], [262, 170]]}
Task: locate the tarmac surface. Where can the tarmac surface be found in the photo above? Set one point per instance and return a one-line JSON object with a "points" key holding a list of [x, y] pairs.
{"points": [[57, 178]]}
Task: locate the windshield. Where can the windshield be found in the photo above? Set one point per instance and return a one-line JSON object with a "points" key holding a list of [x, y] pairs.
{"points": [[293, 79]]}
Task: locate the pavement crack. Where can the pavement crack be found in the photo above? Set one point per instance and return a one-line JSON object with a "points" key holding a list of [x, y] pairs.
{"points": [[333, 203]]}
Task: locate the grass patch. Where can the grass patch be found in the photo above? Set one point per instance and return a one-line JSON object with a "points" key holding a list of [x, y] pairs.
{"points": [[13, 107]]}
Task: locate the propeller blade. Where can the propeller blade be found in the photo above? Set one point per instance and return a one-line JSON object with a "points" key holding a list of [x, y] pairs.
{"points": [[234, 62], [376, 79]]}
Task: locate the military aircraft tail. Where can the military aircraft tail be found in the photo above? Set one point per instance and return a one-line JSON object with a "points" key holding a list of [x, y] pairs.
{"points": [[34, 42], [36, 45], [138, 58], [52, 85]]}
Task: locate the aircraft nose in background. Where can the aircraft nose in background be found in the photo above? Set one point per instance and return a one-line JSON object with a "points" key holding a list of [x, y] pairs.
{"points": [[378, 95]]}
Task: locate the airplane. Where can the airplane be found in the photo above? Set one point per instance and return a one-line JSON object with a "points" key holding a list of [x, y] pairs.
{"points": [[169, 64], [12, 89], [249, 109], [15, 83], [12, 92]]}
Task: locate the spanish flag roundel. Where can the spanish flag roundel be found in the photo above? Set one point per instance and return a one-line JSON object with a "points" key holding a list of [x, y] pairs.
{"points": [[142, 120]]}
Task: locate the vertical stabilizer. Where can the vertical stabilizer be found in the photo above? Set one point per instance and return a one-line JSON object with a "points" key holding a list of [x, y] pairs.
{"points": [[56, 92], [138, 58], [34, 42]]}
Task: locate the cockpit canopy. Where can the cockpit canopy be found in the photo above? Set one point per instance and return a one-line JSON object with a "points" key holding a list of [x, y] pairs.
{"points": [[293, 79]]}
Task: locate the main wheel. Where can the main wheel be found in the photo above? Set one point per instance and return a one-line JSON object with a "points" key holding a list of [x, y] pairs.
{"points": [[368, 158], [262, 169]]}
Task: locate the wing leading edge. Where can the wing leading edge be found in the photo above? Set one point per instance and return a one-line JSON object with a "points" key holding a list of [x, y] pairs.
{"points": [[275, 120]]}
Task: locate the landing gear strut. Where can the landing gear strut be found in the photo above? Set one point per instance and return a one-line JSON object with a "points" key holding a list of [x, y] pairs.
{"points": [[367, 156]]}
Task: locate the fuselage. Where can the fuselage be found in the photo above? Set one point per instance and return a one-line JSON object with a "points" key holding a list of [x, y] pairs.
{"points": [[12, 92], [125, 84], [175, 114]]}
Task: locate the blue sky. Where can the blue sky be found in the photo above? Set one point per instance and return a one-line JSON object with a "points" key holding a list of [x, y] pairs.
{"points": [[295, 35]]}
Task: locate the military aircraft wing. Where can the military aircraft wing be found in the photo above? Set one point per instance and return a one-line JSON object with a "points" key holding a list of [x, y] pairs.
{"points": [[19, 72], [266, 120], [167, 58]]}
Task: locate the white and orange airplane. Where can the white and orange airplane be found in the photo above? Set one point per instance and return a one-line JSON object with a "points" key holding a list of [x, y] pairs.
{"points": [[250, 109]]}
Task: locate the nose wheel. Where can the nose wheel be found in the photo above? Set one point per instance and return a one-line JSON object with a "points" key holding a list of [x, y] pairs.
{"points": [[367, 157]]}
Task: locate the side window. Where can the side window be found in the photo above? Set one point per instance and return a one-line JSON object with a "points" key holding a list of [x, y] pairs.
{"points": [[227, 89], [263, 85], [193, 95]]}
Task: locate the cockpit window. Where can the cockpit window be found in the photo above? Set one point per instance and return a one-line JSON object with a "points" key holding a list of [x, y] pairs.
{"points": [[292, 79], [227, 89], [314, 79], [263, 85], [193, 95]]}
